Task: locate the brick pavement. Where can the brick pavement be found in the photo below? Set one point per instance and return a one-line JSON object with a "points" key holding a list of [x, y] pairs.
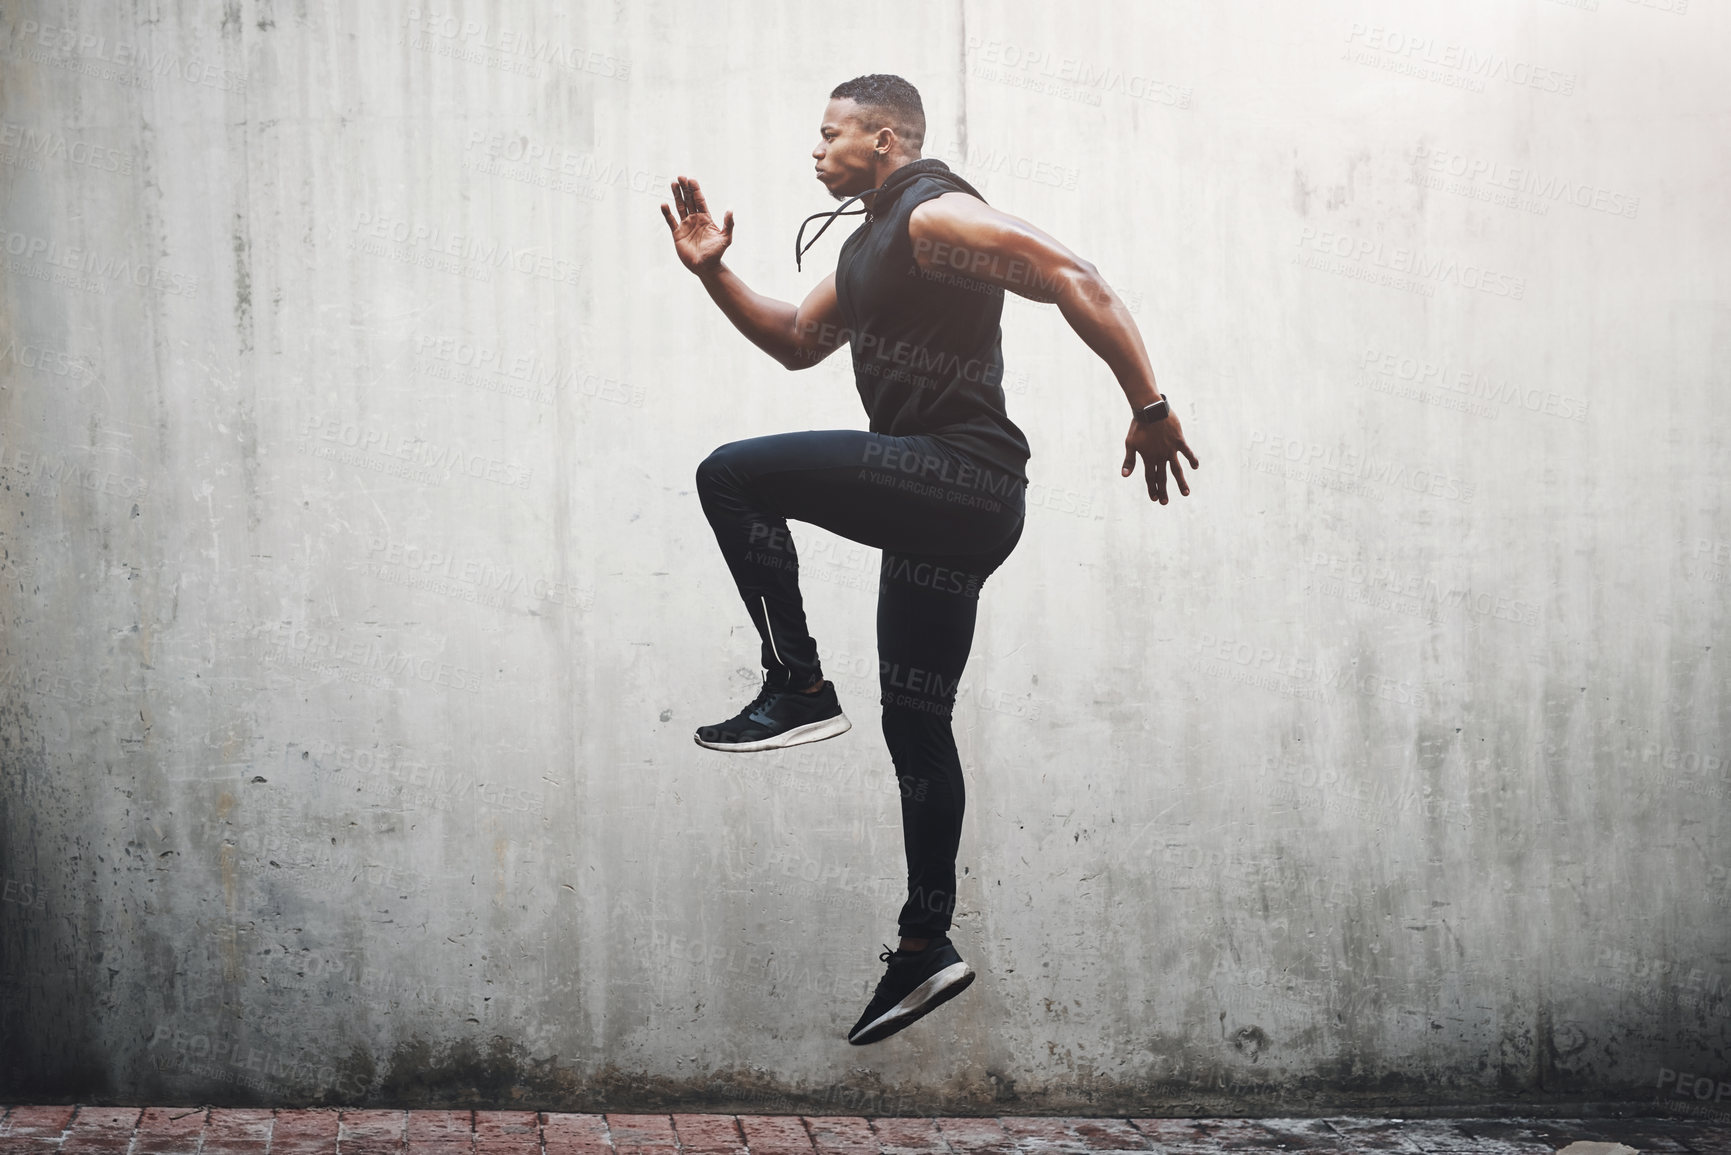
{"points": [[77, 1130]]}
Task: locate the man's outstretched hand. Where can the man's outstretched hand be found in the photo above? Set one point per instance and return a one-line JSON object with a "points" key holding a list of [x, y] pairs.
{"points": [[697, 239], [1159, 443]]}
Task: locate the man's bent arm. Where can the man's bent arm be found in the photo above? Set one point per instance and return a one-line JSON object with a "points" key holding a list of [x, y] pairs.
{"points": [[961, 234], [797, 337]]}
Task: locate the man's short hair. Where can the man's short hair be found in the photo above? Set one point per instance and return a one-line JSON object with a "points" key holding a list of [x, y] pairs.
{"points": [[887, 100]]}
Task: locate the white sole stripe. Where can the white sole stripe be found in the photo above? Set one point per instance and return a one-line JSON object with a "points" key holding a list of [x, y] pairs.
{"points": [[799, 735], [917, 998]]}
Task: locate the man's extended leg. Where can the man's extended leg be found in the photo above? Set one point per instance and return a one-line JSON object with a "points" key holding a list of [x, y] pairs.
{"points": [[926, 612], [927, 606]]}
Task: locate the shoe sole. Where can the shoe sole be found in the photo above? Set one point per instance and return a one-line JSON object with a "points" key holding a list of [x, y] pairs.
{"points": [[921, 1001], [798, 736]]}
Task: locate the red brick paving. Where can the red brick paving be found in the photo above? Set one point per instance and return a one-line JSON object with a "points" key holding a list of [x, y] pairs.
{"points": [[564, 1134], [238, 1131], [709, 1134], [775, 1135], [33, 1130], [169, 1131], [1041, 1134], [901, 1135], [295, 1132], [27, 1122], [101, 1131], [970, 1136], [841, 1135], [59, 1130], [575, 1135], [372, 1132], [440, 1133], [642, 1134], [1306, 1136], [507, 1133], [1108, 1134]]}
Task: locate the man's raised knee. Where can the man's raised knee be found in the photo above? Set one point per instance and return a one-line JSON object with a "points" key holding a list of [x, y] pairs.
{"points": [[714, 468]]}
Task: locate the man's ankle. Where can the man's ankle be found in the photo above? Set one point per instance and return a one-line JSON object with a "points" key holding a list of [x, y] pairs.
{"points": [[814, 687]]}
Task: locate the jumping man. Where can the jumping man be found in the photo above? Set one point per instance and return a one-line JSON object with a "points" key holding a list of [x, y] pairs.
{"points": [[937, 484]]}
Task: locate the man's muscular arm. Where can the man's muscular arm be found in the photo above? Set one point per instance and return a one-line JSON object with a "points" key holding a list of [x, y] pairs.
{"points": [[961, 234], [797, 337]]}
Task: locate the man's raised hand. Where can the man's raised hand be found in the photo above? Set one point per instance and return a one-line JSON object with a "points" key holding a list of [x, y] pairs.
{"points": [[697, 239]]}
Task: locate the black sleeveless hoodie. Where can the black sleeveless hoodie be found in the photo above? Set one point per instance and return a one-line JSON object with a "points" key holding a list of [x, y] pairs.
{"points": [[927, 346]]}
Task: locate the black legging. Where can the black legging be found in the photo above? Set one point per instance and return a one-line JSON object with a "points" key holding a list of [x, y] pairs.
{"points": [[945, 523]]}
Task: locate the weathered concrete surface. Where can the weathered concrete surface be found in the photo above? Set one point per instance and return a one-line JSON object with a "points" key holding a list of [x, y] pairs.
{"points": [[357, 605]]}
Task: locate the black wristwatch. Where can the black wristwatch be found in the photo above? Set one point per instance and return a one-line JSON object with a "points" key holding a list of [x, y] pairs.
{"points": [[1154, 412]]}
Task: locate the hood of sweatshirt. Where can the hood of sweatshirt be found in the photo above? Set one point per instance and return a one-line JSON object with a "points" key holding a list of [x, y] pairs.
{"points": [[886, 196]]}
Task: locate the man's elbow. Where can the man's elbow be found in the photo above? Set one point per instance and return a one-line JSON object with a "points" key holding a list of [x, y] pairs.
{"points": [[1082, 281], [1083, 272]]}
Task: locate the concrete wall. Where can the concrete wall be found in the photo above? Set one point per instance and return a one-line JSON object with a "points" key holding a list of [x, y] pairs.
{"points": [[358, 607]]}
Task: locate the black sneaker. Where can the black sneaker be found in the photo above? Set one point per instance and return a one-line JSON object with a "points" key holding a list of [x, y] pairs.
{"points": [[914, 985], [776, 718]]}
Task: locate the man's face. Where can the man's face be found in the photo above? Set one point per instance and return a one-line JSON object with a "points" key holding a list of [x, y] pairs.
{"points": [[846, 163]]}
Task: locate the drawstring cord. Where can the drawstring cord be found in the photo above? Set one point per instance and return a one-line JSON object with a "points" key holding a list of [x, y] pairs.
{"points": [[913, 168], [798, 252]]}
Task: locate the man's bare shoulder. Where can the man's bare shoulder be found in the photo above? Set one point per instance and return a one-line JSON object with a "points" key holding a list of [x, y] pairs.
{"points": [[953, 206]]}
